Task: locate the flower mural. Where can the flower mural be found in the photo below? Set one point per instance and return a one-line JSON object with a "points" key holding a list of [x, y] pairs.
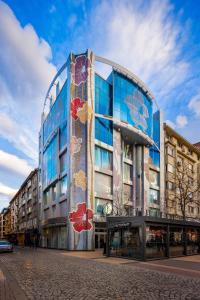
{"points": [[80, 179], [79, 69], [76, 104], [85, 113], [81, 218], [75, 144]]}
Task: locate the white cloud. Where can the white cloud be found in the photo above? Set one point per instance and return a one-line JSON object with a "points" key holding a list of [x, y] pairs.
{"points": [[181, 121], [194, 104], [6, 190], [144, 37], [14, 164], [26, 72]]}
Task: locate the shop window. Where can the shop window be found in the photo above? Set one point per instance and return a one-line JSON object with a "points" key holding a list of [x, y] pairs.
{"points": [[104, 130], [63, 186], [176, 243], [156, 239], [103, 158], [103, 183], [128, 172], [63, 163], [128, 151]]}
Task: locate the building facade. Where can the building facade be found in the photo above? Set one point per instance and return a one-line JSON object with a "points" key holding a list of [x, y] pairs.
{"points": [[2, 223], [182, 162], [100, 146]]}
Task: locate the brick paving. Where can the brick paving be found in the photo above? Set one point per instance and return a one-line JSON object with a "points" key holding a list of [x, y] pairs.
{"points": [[52, 274]]}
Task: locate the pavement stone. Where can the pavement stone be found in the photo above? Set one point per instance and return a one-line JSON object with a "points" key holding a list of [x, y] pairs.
{"points": [[49, 274]]}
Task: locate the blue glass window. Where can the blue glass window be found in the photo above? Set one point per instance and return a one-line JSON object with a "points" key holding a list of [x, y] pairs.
{"points": [[63, 163], [63, 135], [50, 162], [103, 158], [131, 104], [63, 186], [104, 131], [103, 96], [57, 114], [154, 150]]}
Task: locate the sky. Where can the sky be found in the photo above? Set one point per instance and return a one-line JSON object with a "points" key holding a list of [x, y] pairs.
{"points": [[157, 40]]}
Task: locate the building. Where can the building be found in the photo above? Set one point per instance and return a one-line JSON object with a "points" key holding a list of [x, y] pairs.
{"points": [[7, 220], [99, 153], [197, 145], [2, 223], [27, 209], [182, 160]]}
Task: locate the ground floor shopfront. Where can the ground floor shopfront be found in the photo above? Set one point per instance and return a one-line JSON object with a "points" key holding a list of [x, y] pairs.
{"points": [[151, 238]]}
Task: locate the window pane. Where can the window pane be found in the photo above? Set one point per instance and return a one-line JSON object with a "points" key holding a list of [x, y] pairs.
{"points": [[127, 193], [128, 151], [63, 186], [154, 196], [103, 183], [128, 170], [63, 163], [63, 136], [103, 96], [50, 162], [103, 207], [103, 158], [104, 131], [154, 178]]}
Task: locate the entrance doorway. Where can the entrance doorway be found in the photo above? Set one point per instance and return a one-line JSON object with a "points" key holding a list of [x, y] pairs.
{"points": [[100, 239]]}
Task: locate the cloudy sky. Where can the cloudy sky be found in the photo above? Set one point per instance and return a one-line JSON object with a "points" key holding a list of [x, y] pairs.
{"points": [[158, 40]]}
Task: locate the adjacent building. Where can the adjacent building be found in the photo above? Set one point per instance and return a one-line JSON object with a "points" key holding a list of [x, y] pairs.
{"points": [[2, 223], [100, 146]]}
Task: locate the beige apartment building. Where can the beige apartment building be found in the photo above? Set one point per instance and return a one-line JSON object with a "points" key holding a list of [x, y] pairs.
{"points": [[182, 176]]}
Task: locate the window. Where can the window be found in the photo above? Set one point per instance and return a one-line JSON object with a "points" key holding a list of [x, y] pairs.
{"points": [[190, 167], [47, 197], [153, 212], [103, 96], [191, 209], [104, 131], [63, 163], [103, 207], [127, 193], [63, 186], [63, 208], [128, 151], [128, 172], [179, 160], [63, 135], [54, 193], [103, 183], [154, 178], [154, 196], [170, 185], [103, 158], [170, 151], [50, 162], [170, 168], [46, 214]]}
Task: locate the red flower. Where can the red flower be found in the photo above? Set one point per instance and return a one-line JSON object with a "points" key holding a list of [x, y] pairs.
{"points": [[80, 69], [80, 218], [75, 105]]}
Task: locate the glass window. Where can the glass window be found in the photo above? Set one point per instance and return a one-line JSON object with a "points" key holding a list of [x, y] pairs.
{"points": [[54, 192], [46, 214], [104, 131], [128, 172], [156, 238], [63, 186], [103, 183], [57, 114], [103, 158], [128, 151], [47, 197], [50, 162], [63, 135], [103, 96], [127, 193], [154, 178], [63, 163], [170, 151], [170, 168], [154, 196], [103, 207]]}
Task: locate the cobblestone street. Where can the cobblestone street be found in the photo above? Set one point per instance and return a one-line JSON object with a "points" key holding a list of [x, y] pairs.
{"points": [[53, 274]]}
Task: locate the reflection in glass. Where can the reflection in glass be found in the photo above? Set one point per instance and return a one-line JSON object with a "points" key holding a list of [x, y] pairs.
{"points": [[156, 237], [63, 186]]}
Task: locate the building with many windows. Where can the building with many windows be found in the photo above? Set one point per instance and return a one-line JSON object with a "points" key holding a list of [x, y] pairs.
{"points": [[2, 223], [99, 154]]}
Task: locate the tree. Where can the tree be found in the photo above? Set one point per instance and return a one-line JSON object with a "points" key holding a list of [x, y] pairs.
{"points": [[187, 186]]}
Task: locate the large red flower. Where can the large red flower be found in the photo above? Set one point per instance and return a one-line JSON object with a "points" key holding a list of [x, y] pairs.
{"points": [[75, 105], [80, 69], [80, 218]]}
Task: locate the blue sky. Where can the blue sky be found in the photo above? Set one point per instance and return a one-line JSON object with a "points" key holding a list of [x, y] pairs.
{"points": [[158, 40]]}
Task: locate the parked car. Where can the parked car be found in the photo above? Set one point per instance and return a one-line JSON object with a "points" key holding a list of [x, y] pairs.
{"points": [[5, 246]]}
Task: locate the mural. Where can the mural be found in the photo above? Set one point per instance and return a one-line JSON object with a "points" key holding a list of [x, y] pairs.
{"points": [[81, 118]]}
